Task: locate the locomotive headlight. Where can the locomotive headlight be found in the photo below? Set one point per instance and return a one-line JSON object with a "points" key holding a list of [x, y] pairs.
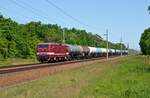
{"points": [[50, 53]]}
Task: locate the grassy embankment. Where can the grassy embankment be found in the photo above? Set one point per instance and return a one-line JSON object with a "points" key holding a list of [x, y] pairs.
{"points": [[127, 77], [16, 61]]}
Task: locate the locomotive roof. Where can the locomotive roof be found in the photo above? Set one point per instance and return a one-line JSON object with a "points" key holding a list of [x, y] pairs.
{"points": [[49, 43]]}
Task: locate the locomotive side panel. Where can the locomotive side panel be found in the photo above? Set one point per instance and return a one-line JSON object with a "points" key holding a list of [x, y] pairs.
{"points": [[51, 51]]}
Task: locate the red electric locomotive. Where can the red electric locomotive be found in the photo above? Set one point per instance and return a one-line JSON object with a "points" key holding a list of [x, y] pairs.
{"points": [[47, 52]]}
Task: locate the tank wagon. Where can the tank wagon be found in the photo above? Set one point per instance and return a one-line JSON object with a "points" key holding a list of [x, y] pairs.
{"points": [[47, 52], [92, 52], [75, 52], [85, 52]]}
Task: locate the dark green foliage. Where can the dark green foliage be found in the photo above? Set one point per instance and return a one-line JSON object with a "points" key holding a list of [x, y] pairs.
{"points": [[20, 40], [149, 9], [145, 42]]}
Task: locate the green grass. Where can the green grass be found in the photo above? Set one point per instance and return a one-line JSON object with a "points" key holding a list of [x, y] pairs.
{"points": [[124, 78], [16, 61], [130, 79]]}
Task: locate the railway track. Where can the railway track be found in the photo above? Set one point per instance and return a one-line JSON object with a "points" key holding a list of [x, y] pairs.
{"points": [[11, 76], [24, 67]]}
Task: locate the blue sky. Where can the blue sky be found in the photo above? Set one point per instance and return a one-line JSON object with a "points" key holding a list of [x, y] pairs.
{"points": [[128, 18]]}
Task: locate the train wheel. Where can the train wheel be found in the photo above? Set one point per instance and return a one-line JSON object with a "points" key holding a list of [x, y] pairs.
{"points": [[57, 59], [41, 61]]}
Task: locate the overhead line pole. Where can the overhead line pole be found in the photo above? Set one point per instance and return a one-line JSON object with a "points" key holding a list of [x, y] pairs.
{"points": [[63, 36], [121, 45], [106, 43], [128, 48]]}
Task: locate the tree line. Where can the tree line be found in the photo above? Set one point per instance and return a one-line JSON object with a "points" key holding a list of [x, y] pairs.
{"points": [[20, 40]]}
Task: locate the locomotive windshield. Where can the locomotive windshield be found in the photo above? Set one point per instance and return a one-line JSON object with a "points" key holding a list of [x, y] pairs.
{"points": [[42, 46]]}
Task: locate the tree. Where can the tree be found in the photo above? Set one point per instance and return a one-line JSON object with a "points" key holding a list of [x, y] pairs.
{"points": [[145, 42], [149, 9]]}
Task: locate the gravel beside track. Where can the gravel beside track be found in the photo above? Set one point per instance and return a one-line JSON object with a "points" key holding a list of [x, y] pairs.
{"points": [[17, 68]]}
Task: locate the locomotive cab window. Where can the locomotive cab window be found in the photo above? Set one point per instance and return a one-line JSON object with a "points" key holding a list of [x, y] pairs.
{"points": [[42, 46]]}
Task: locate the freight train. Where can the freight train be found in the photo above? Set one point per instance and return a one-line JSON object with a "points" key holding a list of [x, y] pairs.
{"points": [[50, 52]]}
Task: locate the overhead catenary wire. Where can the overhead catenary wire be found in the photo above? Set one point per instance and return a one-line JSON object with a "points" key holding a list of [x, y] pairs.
{"points": [[34, 11], [4, 10], [68, 15], [41, 11]]}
